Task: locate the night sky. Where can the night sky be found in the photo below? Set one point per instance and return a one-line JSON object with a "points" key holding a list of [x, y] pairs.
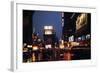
{"points": [[42, 18]]}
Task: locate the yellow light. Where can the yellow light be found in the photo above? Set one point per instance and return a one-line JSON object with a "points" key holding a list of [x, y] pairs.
{"points": [[25, 49], [48, 32], [35, 47], [62, 41], [61, 46], [33, 57], [48, 46], [74, 44], [29, 46], [81, 20]]}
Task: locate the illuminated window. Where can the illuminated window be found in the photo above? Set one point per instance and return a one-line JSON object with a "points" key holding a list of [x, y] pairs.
{"points": [[48, 27], [48, 30], [48, 46]]}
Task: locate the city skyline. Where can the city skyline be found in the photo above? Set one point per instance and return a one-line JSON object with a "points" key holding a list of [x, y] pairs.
{"points": [[56, 36]]}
